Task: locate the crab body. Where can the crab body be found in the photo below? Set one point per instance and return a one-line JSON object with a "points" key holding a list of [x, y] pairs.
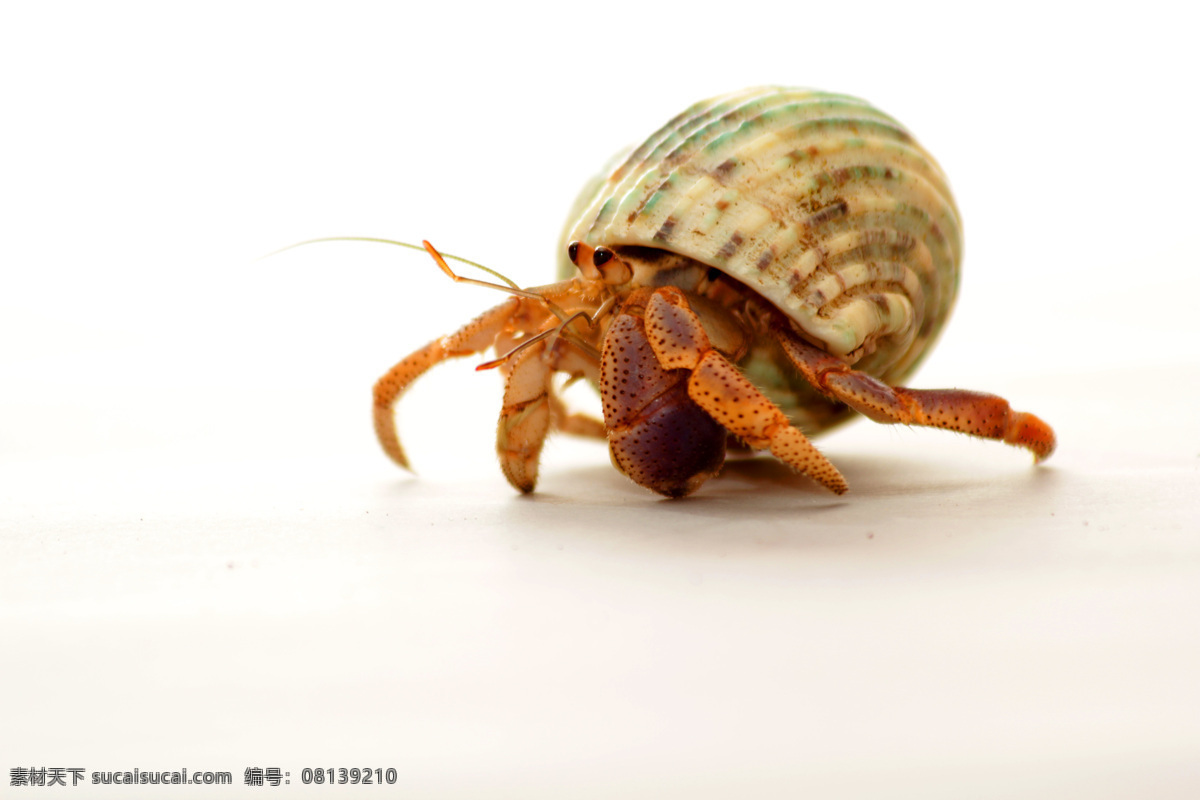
{"points": [[767, 262]]}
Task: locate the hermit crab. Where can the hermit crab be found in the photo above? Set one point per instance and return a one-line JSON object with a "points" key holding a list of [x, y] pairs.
{"points": [[760, 268]]}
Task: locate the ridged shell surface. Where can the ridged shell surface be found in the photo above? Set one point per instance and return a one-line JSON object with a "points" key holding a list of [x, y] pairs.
{"points": [[822, 204]]}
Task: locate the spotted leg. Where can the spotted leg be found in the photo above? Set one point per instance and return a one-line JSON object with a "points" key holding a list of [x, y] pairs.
{"points": [[474, 337], [718, 387], [532, 407], [976, 413], [525, 417]]}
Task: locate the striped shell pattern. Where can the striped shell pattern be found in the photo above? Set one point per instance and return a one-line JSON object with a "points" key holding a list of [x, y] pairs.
{"points": [[818, 202]]}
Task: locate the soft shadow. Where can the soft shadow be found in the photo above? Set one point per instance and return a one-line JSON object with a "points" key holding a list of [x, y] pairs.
{"points": [[915, 503], [753, 480], [765, 488], [747, 488], [763, 471]]}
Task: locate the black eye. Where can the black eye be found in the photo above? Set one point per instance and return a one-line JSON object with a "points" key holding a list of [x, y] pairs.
{"points": [[573, 252], [602, 256]]}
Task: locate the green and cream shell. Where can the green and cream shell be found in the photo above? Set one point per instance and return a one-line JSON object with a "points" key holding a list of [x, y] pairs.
{"points": [[820, 203]]}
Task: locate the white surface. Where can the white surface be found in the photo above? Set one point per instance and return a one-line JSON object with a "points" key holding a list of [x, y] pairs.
{"points": [[204, 562]]}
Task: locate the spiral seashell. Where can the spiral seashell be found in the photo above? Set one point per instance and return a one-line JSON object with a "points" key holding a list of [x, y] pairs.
{"points": [[820, 203]]}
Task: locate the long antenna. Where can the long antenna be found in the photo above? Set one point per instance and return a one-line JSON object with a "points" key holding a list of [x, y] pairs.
{"points": [[422, 246]]}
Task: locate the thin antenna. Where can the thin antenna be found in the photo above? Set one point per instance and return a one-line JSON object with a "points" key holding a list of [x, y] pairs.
{"points": [[376, 240], [512, 288]]}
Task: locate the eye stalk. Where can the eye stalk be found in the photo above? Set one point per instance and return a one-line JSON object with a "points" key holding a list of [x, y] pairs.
{"points": [[599, 263]]}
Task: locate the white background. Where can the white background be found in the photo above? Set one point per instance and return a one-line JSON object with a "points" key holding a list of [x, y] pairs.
{"points": [[205, 562]]}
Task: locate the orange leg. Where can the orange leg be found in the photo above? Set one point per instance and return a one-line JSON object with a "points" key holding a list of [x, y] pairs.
{"points": [[976, 413], [531, 407], [474, 337], [575, 423], [525, 416], [566, 358], [717, 386]]}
